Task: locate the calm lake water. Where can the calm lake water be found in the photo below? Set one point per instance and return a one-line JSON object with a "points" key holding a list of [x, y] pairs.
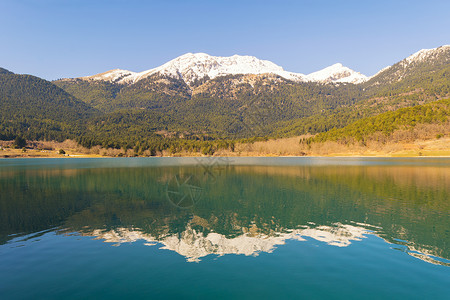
{"points": [[225, 228]]}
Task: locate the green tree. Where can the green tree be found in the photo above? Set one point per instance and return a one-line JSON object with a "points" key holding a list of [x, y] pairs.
{"points": [[20, 142]]}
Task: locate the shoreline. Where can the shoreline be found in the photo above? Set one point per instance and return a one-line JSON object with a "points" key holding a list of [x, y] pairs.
{"points": [[232, 156], [286, 147]]}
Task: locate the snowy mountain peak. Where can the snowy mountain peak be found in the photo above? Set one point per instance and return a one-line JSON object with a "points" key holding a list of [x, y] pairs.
{"points": [[190, 67], [398, 71], [426, 53], [194, 66], [112, 75], [337, 73]]}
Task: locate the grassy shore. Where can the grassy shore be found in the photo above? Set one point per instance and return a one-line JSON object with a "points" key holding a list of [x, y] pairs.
{"points": [[30, 153], [270, 148]]}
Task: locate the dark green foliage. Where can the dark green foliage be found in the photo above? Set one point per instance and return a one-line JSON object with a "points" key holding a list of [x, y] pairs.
{"points": [[98, 94], [435, 112], [150, 93], [38, 110], [19, 142]]}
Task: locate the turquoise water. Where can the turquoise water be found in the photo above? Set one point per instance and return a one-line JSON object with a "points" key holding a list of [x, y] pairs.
{"points": [[341, 228]]}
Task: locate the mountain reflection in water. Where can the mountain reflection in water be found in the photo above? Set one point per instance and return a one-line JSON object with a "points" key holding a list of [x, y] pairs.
{"points": [[193, 244], [236, 209]]}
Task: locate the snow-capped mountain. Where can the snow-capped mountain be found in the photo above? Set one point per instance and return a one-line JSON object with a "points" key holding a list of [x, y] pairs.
{"points": [[336, 73], [115, 75], [425, 54], [425, 59], [196, 66]]}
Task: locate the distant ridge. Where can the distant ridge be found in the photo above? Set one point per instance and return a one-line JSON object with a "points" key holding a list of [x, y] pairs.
{"points": [[192, 67], [4, 71], [196, 66]]}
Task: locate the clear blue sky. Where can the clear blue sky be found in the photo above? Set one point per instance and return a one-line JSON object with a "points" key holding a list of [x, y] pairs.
{"points": [[71, 38]]}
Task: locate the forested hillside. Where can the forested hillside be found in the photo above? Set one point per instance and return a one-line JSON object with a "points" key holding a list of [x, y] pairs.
{"points": [[396, 87], [437, 112], [37, 109], [233, 106]]}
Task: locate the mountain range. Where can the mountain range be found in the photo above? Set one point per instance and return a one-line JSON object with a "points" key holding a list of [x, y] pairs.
{"points": [[203, 97], [193, 67]]}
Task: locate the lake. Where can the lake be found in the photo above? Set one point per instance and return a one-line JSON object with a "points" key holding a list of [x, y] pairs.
{"points": [[314, 228]]}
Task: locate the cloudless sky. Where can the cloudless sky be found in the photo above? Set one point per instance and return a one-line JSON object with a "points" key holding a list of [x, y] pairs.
{"points": [[71, 38]]}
